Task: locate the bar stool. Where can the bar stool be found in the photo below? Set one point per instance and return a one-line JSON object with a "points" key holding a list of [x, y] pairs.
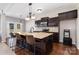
{"points": [[33, 46], [67, 39]]}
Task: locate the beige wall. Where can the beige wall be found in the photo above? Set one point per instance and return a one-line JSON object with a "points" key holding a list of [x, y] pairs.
{"points": [[68, 24], [3, 25], [77, 27]]}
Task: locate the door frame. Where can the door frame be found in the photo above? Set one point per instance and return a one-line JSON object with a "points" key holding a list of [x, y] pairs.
{"points": [[15, 27]]}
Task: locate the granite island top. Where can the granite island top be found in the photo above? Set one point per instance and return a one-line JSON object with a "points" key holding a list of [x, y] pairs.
{"points": [[39, 35]]}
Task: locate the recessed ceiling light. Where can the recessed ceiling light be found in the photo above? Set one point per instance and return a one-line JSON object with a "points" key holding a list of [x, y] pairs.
{"points": [[39, 10]]}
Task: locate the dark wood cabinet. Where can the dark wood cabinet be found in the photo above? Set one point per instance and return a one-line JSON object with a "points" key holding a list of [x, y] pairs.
{"points": [[43, 22], [47, 22], [53, 22], [55, 37], [45, 45], [50, 22], [44, 19], [68, 15], [38, 22]]}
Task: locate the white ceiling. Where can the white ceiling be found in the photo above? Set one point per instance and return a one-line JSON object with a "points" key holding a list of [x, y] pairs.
{"points": [[20, 10]]}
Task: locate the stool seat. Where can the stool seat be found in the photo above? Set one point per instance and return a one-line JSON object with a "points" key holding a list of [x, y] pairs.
{"points": [[67, 41]]}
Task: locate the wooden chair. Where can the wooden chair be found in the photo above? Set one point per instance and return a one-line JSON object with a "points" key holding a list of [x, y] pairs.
{"points": [[30, 42], [30, 39], [19, 40], [33, 46]]}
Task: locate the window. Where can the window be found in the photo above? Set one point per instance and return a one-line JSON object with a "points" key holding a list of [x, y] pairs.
{"points": [[11, 26], [18, 26]]}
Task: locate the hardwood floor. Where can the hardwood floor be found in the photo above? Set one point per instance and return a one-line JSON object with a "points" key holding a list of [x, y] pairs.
{"points": [[58, 49], [20, 51]]}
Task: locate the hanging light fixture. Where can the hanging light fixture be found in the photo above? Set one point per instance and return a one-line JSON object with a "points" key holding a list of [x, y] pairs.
{"points": [[30, 14]]}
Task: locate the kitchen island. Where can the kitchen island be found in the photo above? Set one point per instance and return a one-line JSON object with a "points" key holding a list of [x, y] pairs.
{"points": [[45, 40], [39, 35]]}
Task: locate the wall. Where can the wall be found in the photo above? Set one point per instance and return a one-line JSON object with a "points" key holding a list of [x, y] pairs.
{"points": [[0, 22], [3, 27], [4, 21], [29, 24], [77, 27], [68, 24], [12, 19]]}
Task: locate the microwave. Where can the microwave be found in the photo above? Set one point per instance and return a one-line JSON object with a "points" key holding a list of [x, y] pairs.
{"points": [[43, 24]]}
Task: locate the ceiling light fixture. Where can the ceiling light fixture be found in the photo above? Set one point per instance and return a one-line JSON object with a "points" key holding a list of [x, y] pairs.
{"points": [[39, 10], [30, 14]]}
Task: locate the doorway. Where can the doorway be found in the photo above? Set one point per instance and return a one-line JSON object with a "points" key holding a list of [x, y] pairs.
{"points": [[13, 27]]}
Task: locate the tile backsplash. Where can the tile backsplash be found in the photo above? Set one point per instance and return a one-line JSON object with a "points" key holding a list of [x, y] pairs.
{"points": [[51, 29]]}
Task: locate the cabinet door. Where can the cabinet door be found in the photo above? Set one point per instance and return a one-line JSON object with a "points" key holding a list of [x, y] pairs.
{"points": [[38, 22], [55, 37], [53, 22], [62, 16], [44, 19], [68, 15]]}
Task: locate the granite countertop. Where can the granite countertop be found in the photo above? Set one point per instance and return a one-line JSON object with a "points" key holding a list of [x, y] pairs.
{"points": [[39, 35]]}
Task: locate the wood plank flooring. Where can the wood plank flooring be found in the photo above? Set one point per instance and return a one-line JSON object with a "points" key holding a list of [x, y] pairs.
{"points": [[5, 50], [58, 49]]}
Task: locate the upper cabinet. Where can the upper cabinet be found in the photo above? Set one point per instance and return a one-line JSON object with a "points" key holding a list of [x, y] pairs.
{"points": [[68, 15], [42, 23], [47, 22], [37, 22], [53, 22], [44, 19], [50, 22]]}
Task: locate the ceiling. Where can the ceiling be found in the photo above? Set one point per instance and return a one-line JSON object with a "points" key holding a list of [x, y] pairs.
{"points": [[20, 10]]}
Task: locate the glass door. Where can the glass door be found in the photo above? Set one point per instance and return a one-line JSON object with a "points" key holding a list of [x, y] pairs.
{"points": [[14, 27], [11, 27]]}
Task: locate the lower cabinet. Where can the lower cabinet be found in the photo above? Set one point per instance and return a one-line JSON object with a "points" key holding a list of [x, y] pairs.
{"points": [[45, 46], [55, 37]]}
